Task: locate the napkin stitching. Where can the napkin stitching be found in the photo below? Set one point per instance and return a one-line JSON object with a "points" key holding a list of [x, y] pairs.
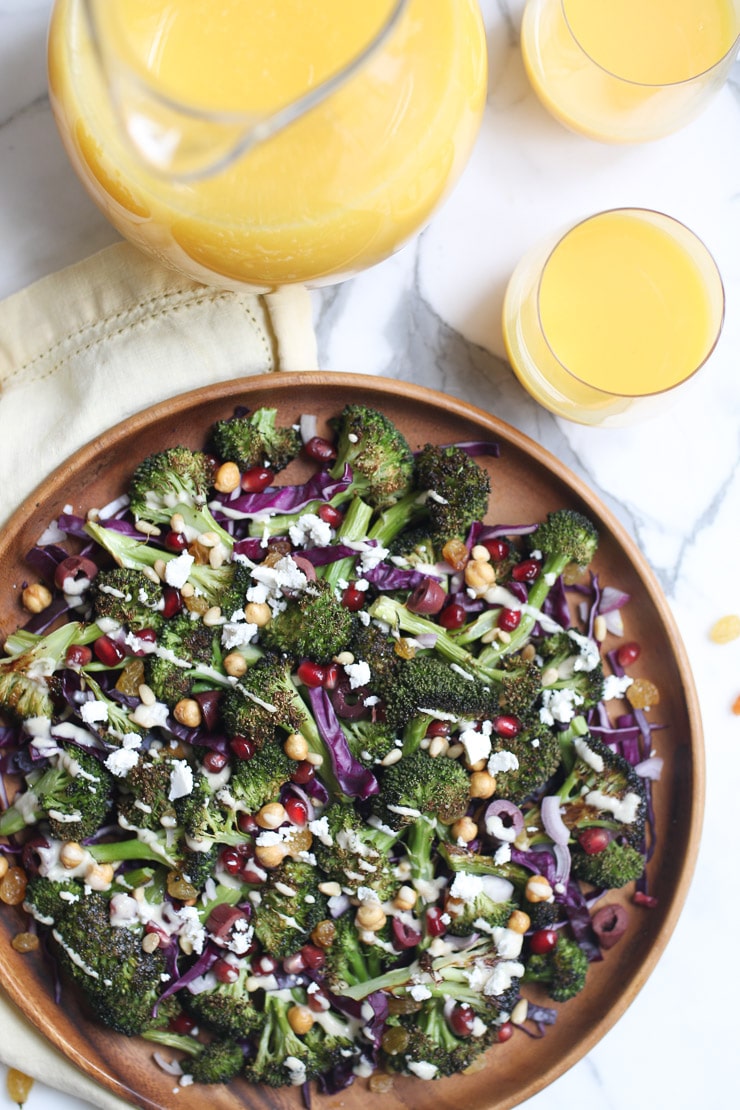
{"points": [[150, 315]]}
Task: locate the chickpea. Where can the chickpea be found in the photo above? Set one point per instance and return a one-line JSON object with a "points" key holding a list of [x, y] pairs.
{"points": [[258, 612], [270, 855], [227, 478], [519, 922], [296, 747], [405, 898], [235, 664], [71, 854], [271, 816], [479, 576], [300, 1019], [482, 785], [465, 829], [538, 889], [370, 917], [99, 876], [187, 712], [36, 598]]}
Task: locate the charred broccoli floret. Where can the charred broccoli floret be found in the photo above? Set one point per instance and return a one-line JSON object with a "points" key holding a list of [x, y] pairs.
{"points": [[27, 678], [73, 794], [602, 790], [265, 704], [168, 479], [578, 663], [291, 905], [313, 625], [354, 854], [184, 656], [256, 781], [369, 741], [479, 903], [127, 596], [227, 1008], [256, 440], [536, 750], [562, 971], [424, 1043], [615, 866], [427, 685], [217, 1061], [349, 960], [380, 458], [144, 794]]}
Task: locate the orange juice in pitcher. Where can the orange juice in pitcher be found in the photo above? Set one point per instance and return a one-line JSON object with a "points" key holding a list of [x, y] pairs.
{"points": [[268, 142]]}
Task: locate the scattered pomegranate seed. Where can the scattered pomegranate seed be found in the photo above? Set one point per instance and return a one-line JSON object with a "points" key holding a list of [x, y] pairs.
{"points": [[183, 1024], [330, 515], [438, 728], [296, 809], [435, 925], [247, 824], [78, 655], [295, 964], [318, 1000], [311, 674], [250, 873], [225, 972], [526, 571], [242, 747], [107, 651], [499, 549], [256, 479], [452, 616], [640, 898], [231, 860], [543, 941], [507, 726], [628, 654], [172, 602], [505, 1032], [175, 541], [303, 772], [508, 619], [265, 965], [214, 761], [594, 840], [313, 956], [320, 449], [353, 599], [461, 1020]]}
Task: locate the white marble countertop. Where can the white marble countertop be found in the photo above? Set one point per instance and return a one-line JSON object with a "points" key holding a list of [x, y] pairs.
{"points": [[431, 315]]}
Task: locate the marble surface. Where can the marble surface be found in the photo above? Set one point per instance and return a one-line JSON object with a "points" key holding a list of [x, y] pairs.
{"points": [[431, 315]]}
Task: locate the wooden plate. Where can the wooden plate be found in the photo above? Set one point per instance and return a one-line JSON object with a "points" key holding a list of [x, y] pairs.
{"points": [[527, 482]]}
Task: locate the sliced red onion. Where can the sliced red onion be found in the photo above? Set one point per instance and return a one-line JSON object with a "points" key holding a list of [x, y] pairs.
{"points": [[612, 599], [503, 820], [306, 566], [427, 598], [172, 1067], [562, 864], [426, 639], [552, 821], [651, 768]]}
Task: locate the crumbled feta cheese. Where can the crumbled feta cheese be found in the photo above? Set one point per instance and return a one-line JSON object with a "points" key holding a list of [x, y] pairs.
{"points": [[589, 656], [176, 571], [477, 745], [310, 530], [466, 887], [181, 780], [419, 992], [121, 761], [358, 674], [559, 705], [616, 687], [502, 761], [94, 712], [320, 828], [235, 634]]}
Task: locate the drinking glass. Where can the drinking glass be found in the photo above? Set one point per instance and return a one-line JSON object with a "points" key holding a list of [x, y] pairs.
{"points": [[262, 142], [628, 70], [603, 322]]}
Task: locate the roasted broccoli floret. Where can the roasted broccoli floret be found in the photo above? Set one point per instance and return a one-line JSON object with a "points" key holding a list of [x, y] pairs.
{"points": [[27, 678], [370, 643], [426, 685], [218, 1061], [204, 819], [424, 1043], [127, 596], [475, 904], [184, 656], [121, 982], [256, 781], [162, 481], [281, 1057], [562, 971], [536, 749], [615, 866], [291, 905], [578, 664], [313, 625], [256, 440], [380, 458], [73, 794], [144, 794], [227, 1008], [369, 741], [602, 790], [350, 960], [354, 854], [264, 705]]}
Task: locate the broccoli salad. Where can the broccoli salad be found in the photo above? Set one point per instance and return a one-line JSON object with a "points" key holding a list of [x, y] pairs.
{"points": [[330, 779]]}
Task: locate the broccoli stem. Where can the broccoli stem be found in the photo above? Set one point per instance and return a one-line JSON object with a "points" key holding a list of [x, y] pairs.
{"points": [[117, 851], [394, 519], [353, 529], [552, 568]]}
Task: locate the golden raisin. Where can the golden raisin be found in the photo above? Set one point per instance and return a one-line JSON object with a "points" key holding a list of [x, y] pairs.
{"points": [[456, 554], [131, 678], [25, 942], [380, 1083], [404, 649], [18, 1085], [395, 1040], [179, 887], [324, 933], [643, 693], [736, 706], [297, 841], [725, 629], [13, 886]]}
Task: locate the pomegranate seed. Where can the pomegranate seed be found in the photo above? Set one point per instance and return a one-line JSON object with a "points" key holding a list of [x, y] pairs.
{"points": [[438, 728], [295, 964], [225, 972], [183, 1024], [498, 549], [303, 773], [256, 479], [505, 1032], [353, 599], [452, 616], [543, 941], [461, 1020], [435, 925], [313, 956], [526, 571], [214, 762], [231, 860], [318, 1000], [508, 727], [78, 655], [640, 898], [331, 676], [175, 541], [172, 602], [628, 654], [247, 824], [311, 674], [594, 840], [330, 515], [251, 873], [296, 809], [320, 449], [242, 748], [107, 651], [508, 619], [265, 965]]}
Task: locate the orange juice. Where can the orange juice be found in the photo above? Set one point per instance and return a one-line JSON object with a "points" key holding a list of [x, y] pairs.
{"points": [[626, 306], [331, 193], [628, 70]]}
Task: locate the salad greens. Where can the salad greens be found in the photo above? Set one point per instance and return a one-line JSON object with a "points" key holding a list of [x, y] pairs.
{"points": [[321, 779]]}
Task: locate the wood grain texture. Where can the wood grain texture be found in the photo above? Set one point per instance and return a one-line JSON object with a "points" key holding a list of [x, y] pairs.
{"points": [[527, 482]]}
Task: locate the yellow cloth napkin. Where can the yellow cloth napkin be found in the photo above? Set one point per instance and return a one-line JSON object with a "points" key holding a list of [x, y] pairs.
{"points": [[81, 350]]}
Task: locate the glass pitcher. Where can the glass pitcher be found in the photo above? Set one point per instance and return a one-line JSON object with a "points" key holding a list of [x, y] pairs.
{"points": [[270, 142]]}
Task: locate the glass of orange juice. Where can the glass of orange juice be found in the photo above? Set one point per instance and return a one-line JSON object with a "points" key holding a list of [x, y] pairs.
{"points": [[628, 70], [263, 142], [602, 322]]}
